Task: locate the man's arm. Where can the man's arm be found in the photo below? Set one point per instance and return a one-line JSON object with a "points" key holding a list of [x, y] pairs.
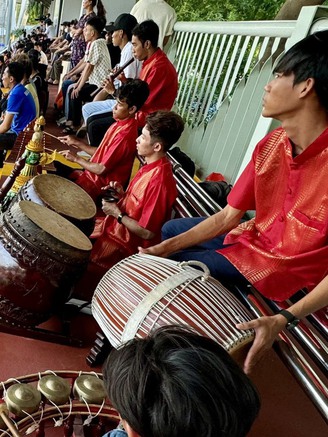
{"points": [[6, 124], [268, 328], [76, 70], [93, 167], [215, 225], [131, 224], [83, 79]]}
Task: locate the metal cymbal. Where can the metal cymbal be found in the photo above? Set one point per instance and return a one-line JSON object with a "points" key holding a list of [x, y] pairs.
{"points": [[55, 388], [22, 397], [90, 388]]}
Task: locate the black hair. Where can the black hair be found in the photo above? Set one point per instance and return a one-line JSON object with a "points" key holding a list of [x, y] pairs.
{"points": [[178, 383], [97, 23], [147, 31], [309, 59], [23, 59], [35, 57], [101, 11], [16, 70], [134, 92], [165, 127]]}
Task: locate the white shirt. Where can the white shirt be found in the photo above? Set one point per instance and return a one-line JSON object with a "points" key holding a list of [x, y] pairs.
{"points": [[160, 12], [43, 58], [131, 71], [50, 31]]}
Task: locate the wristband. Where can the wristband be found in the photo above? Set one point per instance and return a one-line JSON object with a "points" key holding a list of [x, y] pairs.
{"points": [[120, 217], [292, 321]]}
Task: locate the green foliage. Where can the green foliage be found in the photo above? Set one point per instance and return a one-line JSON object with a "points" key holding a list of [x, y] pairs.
{"points": [[236, 10], [34, 11]]}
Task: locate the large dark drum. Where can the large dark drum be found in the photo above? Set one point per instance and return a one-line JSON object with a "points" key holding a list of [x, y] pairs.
{"points": [[62, 196], [41, 255]]}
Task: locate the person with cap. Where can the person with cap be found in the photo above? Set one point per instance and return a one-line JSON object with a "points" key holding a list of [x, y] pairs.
{"points": [[121, 37], [97, 64], [157, 71], [162, 13]]}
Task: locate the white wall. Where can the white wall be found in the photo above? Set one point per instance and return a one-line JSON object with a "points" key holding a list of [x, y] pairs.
{"points": [[117, 7], [72, 9]]}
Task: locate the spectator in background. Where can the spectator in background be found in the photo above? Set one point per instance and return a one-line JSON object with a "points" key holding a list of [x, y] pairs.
{"points": [[114, 51], [43, 56], [159, 11], [50, 31], [20, 108], [122, 35], [97, 65], [78, 44]]}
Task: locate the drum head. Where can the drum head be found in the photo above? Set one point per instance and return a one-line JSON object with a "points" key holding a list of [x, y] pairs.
{"points": [[55, 225], [64, 197]]}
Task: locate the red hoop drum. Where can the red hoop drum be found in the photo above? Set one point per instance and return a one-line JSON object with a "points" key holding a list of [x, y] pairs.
{"points": [[144, 292], [41, 256], [62, 196]]}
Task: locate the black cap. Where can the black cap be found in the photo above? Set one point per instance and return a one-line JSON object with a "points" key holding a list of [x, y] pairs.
{"points": [[125, 22], [110, 27]]}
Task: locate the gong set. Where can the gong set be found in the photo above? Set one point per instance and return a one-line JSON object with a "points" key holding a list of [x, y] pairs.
{"points": [[30, 400]]}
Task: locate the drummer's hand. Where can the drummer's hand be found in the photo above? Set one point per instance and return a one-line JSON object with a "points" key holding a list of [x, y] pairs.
{"points": [[69, 155], [110, 208], [157, 250], [266, 330], [70, 140], [116, 186]]}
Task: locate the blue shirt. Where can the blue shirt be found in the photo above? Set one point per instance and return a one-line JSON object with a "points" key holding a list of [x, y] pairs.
{"points": [[21, 104]]}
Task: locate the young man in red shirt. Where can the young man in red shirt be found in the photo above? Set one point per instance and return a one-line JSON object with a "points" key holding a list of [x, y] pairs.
{"points": [[137, 217], [113, 159], [285, 247]]}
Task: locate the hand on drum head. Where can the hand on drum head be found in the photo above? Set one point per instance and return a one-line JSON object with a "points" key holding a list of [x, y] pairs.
{"points": [[157, 250], [114, 185], [266, 330]]}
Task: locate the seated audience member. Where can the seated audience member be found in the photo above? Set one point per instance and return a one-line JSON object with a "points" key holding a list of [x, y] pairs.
{"points": [[162, 13], [50, 31], [136, 216], [97, 65], [284, 248], [20, 107], [29, 85], [157, 71], [113, 159], [177, 383], [43, 56], [38, 80], [122, 34], [114, 51]]}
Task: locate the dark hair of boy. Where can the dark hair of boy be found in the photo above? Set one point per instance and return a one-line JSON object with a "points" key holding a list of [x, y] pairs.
{"points": [[177, 383], [134, 92], [97, 24], [16, 70], [147, 31], [165, 127]]}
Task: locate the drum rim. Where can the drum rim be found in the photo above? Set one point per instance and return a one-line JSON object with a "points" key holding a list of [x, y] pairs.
{"points": [[36, 185]]}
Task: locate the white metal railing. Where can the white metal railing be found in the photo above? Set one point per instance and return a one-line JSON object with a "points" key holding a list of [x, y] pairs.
{"points": [[222, 69]]}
